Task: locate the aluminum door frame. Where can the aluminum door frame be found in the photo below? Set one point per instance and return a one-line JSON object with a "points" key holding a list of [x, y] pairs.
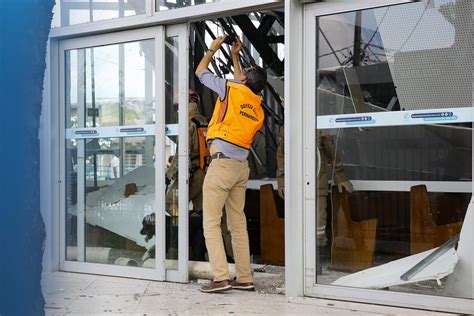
{"points": [[311, 288], [158, 34], [182, 32]]}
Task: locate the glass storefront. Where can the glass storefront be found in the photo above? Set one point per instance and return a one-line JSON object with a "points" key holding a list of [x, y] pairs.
{"points": [[394, 147], [113, 206]]}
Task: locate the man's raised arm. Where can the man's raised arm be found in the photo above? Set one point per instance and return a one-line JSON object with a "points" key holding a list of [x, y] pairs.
{"points": [[215, 45], [236, 45]]}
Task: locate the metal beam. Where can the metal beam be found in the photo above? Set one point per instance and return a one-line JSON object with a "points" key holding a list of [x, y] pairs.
{"points": [[260, 42], [266, 24], [430, 258]]}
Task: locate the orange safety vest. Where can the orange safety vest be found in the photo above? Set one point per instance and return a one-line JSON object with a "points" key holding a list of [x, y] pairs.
{"points": [[204, 155], [238, 117]]}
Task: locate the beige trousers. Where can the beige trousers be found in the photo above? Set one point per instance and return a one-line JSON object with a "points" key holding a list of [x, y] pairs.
{"points": [[225, 185]]}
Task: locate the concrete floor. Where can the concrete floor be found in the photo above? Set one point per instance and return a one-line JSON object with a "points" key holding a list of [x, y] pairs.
{"points": [[79, 294]]}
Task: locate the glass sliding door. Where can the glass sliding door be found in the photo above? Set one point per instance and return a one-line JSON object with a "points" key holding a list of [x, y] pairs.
{"points": [[175, 112], [115, 132], [388, 205]]}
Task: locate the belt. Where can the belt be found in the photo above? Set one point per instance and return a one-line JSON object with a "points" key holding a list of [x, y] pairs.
{"points": [[219, 155]]}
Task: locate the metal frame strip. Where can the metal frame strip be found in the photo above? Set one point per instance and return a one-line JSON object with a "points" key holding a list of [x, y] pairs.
{"points": [[160, 204], [181, 15], [183, 183]]}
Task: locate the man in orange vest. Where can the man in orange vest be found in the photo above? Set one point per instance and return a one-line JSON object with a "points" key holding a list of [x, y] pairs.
{"points": [[238, 115]]}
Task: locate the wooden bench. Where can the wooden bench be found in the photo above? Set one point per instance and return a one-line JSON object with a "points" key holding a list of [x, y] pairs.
{"points": [[272, 227], [425, 234], [353, 243]]}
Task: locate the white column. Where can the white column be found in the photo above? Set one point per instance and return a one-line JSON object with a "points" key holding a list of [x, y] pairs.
{"points": [[294, 173]]}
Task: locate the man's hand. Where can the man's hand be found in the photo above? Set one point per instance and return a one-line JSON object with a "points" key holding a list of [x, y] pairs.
{"points": [[236, 46], [217, 43], [346, 185], [281, 192]]}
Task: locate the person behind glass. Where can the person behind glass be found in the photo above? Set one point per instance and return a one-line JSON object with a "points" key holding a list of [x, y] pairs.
{"points": [[196, 179], [238, 115], [170, 160], [329, 156], [115, 167]]}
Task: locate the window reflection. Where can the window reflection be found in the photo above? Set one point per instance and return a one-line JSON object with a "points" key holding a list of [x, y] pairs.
{"points": [[110, 182], [163, 5], [411, 184], [119, 193], [376, 63], [85, 11], [113, 85]]}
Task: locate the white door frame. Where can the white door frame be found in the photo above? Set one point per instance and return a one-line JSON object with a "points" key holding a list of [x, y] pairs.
{"points": [[159, 35], [311, 12], [182, 32]]}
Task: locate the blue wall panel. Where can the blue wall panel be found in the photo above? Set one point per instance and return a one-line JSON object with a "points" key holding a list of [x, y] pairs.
{"points": [[24, 27]]}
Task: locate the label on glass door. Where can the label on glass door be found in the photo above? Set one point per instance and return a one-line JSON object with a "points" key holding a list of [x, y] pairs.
{"points": [[121, 131], [398, 118]]}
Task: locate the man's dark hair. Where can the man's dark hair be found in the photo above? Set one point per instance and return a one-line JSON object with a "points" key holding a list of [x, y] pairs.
{"points": [[256, 79]]}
